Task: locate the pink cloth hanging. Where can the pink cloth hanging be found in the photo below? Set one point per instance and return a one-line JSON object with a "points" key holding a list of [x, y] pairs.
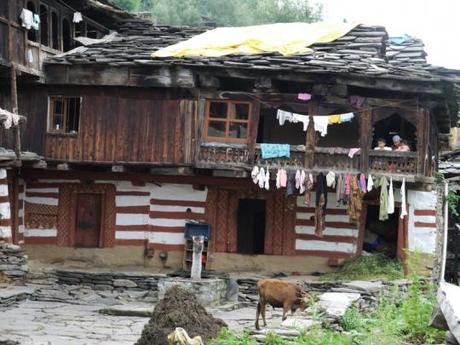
{"points": [[304, 96]]}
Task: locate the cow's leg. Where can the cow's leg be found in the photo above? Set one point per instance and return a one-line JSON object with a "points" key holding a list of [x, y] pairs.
{"points": [[285, 310], [264, 309], [259, 307]]}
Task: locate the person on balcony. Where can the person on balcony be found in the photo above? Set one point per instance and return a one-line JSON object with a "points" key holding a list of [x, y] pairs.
{"points": [[381, 145], [400, 145]]}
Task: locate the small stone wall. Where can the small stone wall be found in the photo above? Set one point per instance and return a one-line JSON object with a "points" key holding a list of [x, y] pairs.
{"points": [[109, 280], [13, 262], [210, 292]]}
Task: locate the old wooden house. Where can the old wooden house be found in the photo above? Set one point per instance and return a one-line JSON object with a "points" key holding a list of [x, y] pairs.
{"points": [[137, 147]]}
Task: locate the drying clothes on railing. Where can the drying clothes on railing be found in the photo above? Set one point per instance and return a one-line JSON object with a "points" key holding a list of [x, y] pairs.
{"points": [[308, 189], [403, 199], [356, 101], [340, 191], [330, 179], [77, 17], [261, 178], [340, 118], [255, 175], [362, 183], [383, 211], [355, 205], [353, 151], [304, 96], [27, 18], [370, 183], [275, 150], [36, 22], [321, 205], [282, 116], [267, 180], [11, 119], [391, 198], [290, 186]]}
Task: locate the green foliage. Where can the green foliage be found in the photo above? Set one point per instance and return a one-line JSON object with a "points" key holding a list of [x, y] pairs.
{"points": [[367, 268], [453, 200], [224, 12], [225, 337]]}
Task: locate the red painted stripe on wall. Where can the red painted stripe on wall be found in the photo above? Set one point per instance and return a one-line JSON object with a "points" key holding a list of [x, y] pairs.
{"points": [[327, 254], [177, 215], [335, 211], [133, 209], [327, 238], [43, 195], [424, 213], [41, 240], [309, 222], [132, 193], [424, 225], [177, 203], [5, 222], [4, 199], [141, 227]]}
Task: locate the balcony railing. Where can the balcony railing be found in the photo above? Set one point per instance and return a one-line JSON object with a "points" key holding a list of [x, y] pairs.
{"points": [[225, 156]]}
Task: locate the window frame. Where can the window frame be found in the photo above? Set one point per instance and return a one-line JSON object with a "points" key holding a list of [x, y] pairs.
{"points": [[51, 115], [227, 120]]}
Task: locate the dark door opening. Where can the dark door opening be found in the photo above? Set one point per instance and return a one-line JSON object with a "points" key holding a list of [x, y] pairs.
{"points": [[88, 221], [381, 236], [251, 226]]}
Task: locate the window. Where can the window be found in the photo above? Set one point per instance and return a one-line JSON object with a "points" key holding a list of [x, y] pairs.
{"points": [[31, 34], [66, 35], [55, 30], [44, 25], [227, 121], [4, 9], [64, 114]]}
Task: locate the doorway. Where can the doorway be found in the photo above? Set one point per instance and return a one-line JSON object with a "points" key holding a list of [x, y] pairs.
{"points": [[88, 220], [251, 226], [381, 236]]}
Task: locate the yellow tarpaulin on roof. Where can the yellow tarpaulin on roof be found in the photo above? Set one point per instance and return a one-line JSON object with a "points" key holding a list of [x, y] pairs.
{"points": [[284, 38]]}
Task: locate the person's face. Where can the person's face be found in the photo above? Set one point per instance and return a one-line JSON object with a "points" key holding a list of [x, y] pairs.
{"points": [[397, 143], [381, 144]]}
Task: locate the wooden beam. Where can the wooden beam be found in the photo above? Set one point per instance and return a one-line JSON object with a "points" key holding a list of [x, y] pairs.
{"points": [[365, 139], [14, 110]]}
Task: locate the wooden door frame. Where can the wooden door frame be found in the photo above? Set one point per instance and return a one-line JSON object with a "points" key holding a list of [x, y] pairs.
{"points": [[100, 241], [67, 213], [403, 231]]}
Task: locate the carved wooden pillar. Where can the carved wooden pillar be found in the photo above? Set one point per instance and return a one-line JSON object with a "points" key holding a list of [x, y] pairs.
{"points": [[253, 126], [421, 128], [365, 130]]}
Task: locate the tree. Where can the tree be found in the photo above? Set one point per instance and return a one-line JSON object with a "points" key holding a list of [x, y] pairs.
{"points": [[225, 12]]}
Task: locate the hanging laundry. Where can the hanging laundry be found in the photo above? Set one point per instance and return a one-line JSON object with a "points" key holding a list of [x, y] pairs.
{"points": [[261, 178], [348, 178], [340, 191], [27, 18], [308, 189], [255, 174], [330, 179], [355, 205], [321, 204], [370, 183], [283, 178], [278, 179], [321, 123], [356, 101], [297, 179], [305, 119], [362, 183], [391, 198], [36, 22], [334, 119], [77, 17], [383, 211], [403, 199], [282, 116], [353, 151], [304, 96], [267, 180], [347, 117], [275, 150], [290, 188], [302, 182]]}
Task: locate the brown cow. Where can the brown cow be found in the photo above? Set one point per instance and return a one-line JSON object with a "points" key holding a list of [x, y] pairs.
{"points": [[279, 293]]}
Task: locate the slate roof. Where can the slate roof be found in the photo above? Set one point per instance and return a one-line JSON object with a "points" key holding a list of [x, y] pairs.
{"points": [[364, 51]]}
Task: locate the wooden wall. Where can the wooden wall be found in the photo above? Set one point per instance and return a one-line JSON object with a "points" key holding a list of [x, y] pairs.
{"points": [[116, 125]]}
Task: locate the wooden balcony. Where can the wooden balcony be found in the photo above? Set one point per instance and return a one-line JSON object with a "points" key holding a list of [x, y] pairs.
{"points": [[232, 156]]}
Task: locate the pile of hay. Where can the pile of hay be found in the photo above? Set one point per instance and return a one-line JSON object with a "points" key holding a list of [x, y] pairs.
{"points": [[179, 308]]}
